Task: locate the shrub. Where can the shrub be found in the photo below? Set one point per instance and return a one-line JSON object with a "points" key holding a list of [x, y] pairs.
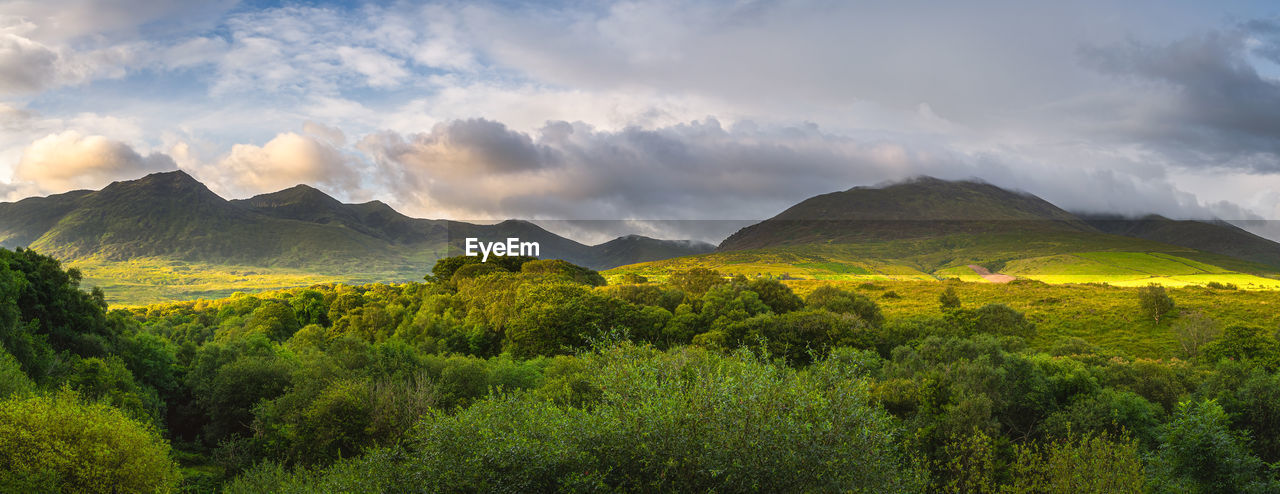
{"points": [[1091, 464], [80, 447], [696, 281], [681, 421], [948, 299], [634, 279], [836, 300], [1200, 453]]}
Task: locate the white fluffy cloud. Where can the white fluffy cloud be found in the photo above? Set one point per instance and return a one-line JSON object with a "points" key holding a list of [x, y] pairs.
{"points": [[284, 161], [69, 160]]}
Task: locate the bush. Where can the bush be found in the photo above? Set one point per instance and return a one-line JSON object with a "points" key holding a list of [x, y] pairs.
{"points": [[696, 281], [633, 279], [12, 380], [564, 269], [1091, 464], [948, 299], [1154, 301], [58, 441], [1200, 453], [839, 301], [681, 421], [776, 295]]}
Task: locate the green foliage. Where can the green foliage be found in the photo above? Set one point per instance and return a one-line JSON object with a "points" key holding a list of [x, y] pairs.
{"points": [[109, 381], [58, 440], [447, 267], [227, 381], [43, 312], [1246, 343], [563, 269], [949, 299], [1091, 464], [1194, 330], [476, 269], [1108, 412], [1200, 453], [1251, 397], [799, 336], [1154, 301], [670, 422], [12, 380], [840, 301], [633, 279], [776, 295], [696, 281]]}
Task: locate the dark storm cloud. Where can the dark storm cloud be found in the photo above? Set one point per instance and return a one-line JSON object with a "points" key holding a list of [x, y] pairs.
{"points": [[1201, 102]]}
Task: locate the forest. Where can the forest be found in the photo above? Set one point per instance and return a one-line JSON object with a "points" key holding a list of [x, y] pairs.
{"points": [[527, 375]]}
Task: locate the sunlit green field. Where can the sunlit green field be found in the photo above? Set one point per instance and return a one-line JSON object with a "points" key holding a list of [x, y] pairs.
{"points": [[150, 280], [1102, 315], [1089, 259]]}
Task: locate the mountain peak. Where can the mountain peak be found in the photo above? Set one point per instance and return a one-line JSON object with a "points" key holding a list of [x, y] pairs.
{"points": [[300, 195], [176, 179], [174, 185], [915, 208]]}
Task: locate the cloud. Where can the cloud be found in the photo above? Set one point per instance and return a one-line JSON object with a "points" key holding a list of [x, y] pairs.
{"points": [[24, 64], [1198, 101], [700, 170], [284, 161], [69, 160], [48, 44], [458, 150]]}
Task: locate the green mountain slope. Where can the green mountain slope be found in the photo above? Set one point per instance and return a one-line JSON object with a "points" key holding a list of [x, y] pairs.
{"points": [[927, 228], [1218, 237], [919, 208], [167, 233]]}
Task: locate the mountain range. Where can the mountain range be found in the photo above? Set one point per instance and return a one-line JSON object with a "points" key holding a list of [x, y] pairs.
{"points": [[172, 215], [923, 228]]}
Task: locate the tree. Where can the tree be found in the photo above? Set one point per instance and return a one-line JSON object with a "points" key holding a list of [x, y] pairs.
{"points": [[1091, 464], [1194, 330], [633, 279], [57, 440], [776, 295], [1154, 301], [948, 299], [564, 269], [1200, 453], [843, 302], [1246, 343]]}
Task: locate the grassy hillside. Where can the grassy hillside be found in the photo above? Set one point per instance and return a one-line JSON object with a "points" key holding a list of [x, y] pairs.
{"points": [[1062, 257], [920, 208], [1218, 237]]}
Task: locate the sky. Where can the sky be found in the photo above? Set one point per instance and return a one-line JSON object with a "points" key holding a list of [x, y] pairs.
{"points": [[649, 111]]}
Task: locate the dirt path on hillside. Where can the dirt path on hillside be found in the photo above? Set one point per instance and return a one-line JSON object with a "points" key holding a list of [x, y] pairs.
{"points": [[986, 274]]}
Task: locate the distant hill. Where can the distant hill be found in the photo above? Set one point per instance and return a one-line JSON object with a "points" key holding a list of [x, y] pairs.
{"points": [[172, 215], [918, 208], [1218, 237], [926, 228]]}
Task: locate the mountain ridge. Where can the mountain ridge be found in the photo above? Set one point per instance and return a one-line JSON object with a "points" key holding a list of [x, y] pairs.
{"points": [[173, 215]]}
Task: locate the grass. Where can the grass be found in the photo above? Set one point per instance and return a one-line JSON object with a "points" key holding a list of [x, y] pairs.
{"points": [[1105, 316], [1048, 257], [150, 280]]}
